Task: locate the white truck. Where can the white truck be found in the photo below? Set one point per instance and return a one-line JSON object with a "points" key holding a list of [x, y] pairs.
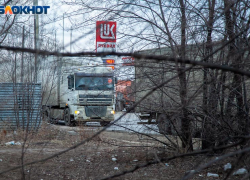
{"points": [[79, 94]]}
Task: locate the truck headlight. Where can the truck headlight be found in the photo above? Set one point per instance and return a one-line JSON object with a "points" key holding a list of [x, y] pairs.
{"points": [[112, 112], [77, 112]]}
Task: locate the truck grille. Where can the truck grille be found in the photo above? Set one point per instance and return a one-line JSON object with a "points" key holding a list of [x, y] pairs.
{"points": [[95, 111], [95, 99], [95, 96], [91, 100]]}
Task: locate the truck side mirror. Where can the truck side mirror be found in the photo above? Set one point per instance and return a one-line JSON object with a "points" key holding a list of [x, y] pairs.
{"points": [[116, 80], [70, 82]]}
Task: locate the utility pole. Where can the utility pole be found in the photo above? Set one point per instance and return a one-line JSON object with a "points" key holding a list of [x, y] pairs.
{"points": [[36, 39], [22, 57], [29, 79], [63, 32], [15, 70], [71, 40], [55, 42], [58, 74]]}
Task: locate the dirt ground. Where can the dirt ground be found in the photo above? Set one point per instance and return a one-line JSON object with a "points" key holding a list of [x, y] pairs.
{"points": [[104, 156]]}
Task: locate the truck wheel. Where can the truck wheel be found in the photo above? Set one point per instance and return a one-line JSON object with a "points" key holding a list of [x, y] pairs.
{"points": [[81, 123], [67, 118], [104, 123], [46, 115], [164, 124]]}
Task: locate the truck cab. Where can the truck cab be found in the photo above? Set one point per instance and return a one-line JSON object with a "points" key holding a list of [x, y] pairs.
{"points": [[84, 94], [90, 95]]}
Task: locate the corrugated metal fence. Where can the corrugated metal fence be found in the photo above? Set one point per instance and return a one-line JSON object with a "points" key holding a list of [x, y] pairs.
{"points": [[20, 106]]}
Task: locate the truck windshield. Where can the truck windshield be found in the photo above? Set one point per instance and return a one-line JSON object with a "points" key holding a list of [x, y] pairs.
{"points": [[93, 83]]}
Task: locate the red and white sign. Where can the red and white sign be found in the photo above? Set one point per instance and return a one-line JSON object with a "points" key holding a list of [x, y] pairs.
{"points": [[105, 36], [106, 45], [128, 61]]}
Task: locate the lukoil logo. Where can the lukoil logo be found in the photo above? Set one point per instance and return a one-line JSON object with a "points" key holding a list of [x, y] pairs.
{"points": [[105, 36], [107, 31], [24, 9]]}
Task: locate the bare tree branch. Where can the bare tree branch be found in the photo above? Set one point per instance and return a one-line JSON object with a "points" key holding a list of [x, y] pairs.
{"points": [[135, 55]]}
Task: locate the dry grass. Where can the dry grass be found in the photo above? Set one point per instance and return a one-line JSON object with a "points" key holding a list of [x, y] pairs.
{"points": [[93, 160]]}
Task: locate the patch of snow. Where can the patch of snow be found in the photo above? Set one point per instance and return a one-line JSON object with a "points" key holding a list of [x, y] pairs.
{"points": [[240, 171], [72, 133], [116, 168], [212, 175], [227, 166], [130, 121], [114, 159], [18, 143], [191, 171]]}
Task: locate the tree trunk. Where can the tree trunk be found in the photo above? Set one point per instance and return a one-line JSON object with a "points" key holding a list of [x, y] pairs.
{"points": [[185, 121], [208, 98]]}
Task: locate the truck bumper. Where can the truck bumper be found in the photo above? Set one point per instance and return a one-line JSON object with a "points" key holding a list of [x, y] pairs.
{"points": [[89, 119], [91, 114]]}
